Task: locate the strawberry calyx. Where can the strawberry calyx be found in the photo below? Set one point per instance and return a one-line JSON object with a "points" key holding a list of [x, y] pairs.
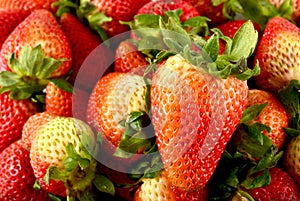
{"points": [[31, 72]]}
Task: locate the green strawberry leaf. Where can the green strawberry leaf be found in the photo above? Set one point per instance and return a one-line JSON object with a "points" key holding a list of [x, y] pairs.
{"points": [[252, 112], [70, 164], [103, 184], [197, 25], [53, 197], [8, 78], [63, 84], [56, 174], [37, 185], [85, 196], [65, 6], [212, 47], [71, 152], [292, 132], [259, 181]]}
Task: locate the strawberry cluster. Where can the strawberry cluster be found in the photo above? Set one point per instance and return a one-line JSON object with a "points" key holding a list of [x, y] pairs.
{"points": [[150, 100]]}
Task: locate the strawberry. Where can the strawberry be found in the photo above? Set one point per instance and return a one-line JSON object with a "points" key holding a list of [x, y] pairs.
{"points": [[82, 41], [58, 101], [291, 158], [32, 125], [58, 144], [282, 187], [160, 7], [160, 188], [277, 55], [36, 51], [273, 115], [181, 125], [9, 19], [128, 58], [16, 176], [14, 114], [27, 5]]}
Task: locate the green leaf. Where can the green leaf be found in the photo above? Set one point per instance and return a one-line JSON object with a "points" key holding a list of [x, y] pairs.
{"points": [[53, 197], [63, 84], [56, 174], [37, 185], [197, 25], [248, 73], [292, 132], [257, 182], [255, 131], [8, 78], [212, 47], [71, 152], [252, 112], [243, 42], [103, 184], [70, 164], [83, 163]]}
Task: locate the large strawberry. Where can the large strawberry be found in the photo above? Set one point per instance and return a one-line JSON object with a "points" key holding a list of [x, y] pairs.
{"points": [[16, 176], [27, 5], [36, 51], [9, 19], [273, 115], [160, 188], [277, 54], [14, 114], [60, 157]]}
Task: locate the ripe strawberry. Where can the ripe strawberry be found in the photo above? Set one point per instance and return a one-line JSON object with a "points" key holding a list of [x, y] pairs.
{"points": [[14, 114], [159, 7], [292, 157], [282, 187], [277, 54], [82, 41], [160, 188], [117, 10], [32, 125], [16, 176], [58, 101], [9, 19], [194, 115], [29, 5], [40, 27], [273, 115], [128, 58], [57, 144]]}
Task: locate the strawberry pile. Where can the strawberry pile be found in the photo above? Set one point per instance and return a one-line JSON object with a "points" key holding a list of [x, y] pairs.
{"points": [[150, 100]]}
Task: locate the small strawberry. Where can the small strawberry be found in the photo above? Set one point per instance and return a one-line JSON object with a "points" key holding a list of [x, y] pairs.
{"points": [[128, 58], [16, 176], [273, 115], [82, 41], [160, 188], [58, 101], [60, 157], [27, 5], [14, 114], [277, 54], [32, 125], [292, 157], [36, 51], [9, 19], [282, 187]]}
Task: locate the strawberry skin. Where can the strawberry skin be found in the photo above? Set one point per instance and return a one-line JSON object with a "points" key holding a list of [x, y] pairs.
{"points": [[32, 125], [14, 114], [160, 7], [9, 19], [282, 187], [40, 27], [292, 158], [182, 125], [82, 41], [274, 115], [16, 176], [277, 54], [29, 5]]}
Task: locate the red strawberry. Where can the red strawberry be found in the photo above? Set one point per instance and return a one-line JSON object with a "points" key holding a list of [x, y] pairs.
{"points": [[207, 9], [32, 125], [58, 143], [128, 58], [9, 19], [282, 187], [82, 41], [277, 54], [273, 115], [117, 10], [58, 101], [292, 158], [159, 7], [194, 115], [16, 176], [160, 188], [14, 114], [29, 5]]}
